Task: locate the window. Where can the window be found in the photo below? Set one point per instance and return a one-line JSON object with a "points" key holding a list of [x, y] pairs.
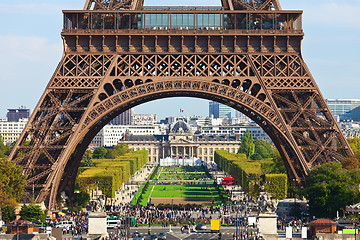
{"points": [[209, 21], [156, 21]]}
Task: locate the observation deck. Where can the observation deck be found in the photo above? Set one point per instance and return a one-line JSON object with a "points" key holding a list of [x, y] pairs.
{"points": [[172, 22]]}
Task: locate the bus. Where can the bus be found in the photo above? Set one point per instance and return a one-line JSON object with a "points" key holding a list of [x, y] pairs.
{"points": [[228, 181]]}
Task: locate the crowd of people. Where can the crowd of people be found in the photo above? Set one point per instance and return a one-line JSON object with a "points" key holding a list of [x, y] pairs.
{"points": [[73, 224], [189, 216]]}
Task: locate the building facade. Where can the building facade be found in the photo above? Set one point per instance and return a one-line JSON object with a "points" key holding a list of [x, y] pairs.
{"points": [[181, 142], [11, 131], [241, 118], [110, 135], [240, 130], [124, 118], [219, 110], [14, 115], [350, 129], [144, 119], [339, 107]]}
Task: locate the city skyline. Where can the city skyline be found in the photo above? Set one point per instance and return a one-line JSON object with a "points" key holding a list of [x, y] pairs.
{"points": [[32, 49]]}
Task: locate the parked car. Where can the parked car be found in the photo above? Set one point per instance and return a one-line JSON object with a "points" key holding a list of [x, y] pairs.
{"points": [[137, 236], [200, 227], [161, 236], [153, 237]]}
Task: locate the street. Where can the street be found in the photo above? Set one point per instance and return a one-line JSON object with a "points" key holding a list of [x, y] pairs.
{"points": [[226, 232]]}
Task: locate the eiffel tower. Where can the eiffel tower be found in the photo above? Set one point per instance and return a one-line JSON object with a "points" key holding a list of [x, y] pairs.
{"points": [[119, 54]]}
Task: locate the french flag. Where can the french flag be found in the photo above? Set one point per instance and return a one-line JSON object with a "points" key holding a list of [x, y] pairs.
{"points": [[181, 110]]}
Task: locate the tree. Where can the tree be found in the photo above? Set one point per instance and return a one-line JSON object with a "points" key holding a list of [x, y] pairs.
{"points": [[263, 149], [79, 201], [86, 160], [8, 214], [11, 184], [351, 163], [32, 212], [4, 149], [247, 145], [110, 154], [355, 145], [11, 179], [279, 166], [99, 153], [329, 187], [121, 149]]}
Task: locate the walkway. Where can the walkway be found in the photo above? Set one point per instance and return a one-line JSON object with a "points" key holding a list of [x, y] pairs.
{"points": [[128, 191]]}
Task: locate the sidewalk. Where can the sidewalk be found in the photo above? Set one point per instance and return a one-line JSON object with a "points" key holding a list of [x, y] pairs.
{"points": [[128, 190]]}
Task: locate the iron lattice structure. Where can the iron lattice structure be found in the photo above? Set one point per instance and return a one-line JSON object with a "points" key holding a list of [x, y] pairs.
{"points": [[119, 55]]}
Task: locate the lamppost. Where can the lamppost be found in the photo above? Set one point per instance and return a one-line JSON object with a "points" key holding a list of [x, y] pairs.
{"points": [[172, 210], [17, 230], [356, 226], [237, 225]]}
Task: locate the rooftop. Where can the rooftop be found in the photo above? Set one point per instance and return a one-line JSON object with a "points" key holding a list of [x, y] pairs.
{"points": [[323, 221]]}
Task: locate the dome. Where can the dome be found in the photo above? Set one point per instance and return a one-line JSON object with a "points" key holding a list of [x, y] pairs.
{"points": [[180, 127]]}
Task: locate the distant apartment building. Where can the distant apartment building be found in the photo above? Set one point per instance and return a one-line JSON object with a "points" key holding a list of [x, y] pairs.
{"points": [[232, 130], [350, 129], [14, 115], [124, 118], [339, 107], [143, 119], [219, 110], [200, 121], [110, 135], [11, 131], [241, 118]]}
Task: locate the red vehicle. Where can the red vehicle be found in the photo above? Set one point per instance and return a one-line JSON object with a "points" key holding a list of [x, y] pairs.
{"points": [[228, 181]]}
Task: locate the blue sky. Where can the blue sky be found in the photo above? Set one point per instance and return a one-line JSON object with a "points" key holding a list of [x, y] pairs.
{"points": [[31, 48]]}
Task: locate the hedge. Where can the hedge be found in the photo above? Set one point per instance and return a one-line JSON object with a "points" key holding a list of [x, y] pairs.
{"points": [[277, 185], [244, 171], [110, 174], [248, 172]]}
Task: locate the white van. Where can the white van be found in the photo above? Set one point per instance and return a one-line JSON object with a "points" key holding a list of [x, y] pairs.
{"points": [[66, 224], [48, 230], [113, 223]]}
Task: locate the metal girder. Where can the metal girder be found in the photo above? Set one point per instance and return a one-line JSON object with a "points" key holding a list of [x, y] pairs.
{"points": [[113, 4], [256, 5]]}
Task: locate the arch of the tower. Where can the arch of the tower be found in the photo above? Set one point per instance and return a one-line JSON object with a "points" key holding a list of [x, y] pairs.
{"points": [[239, 98]]}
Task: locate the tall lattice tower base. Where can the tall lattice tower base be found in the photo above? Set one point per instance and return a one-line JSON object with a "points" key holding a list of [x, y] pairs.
{"points": [[118, 55]]}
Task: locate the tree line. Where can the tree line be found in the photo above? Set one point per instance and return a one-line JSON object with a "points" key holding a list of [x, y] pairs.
{"points": [[329, 187]]}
